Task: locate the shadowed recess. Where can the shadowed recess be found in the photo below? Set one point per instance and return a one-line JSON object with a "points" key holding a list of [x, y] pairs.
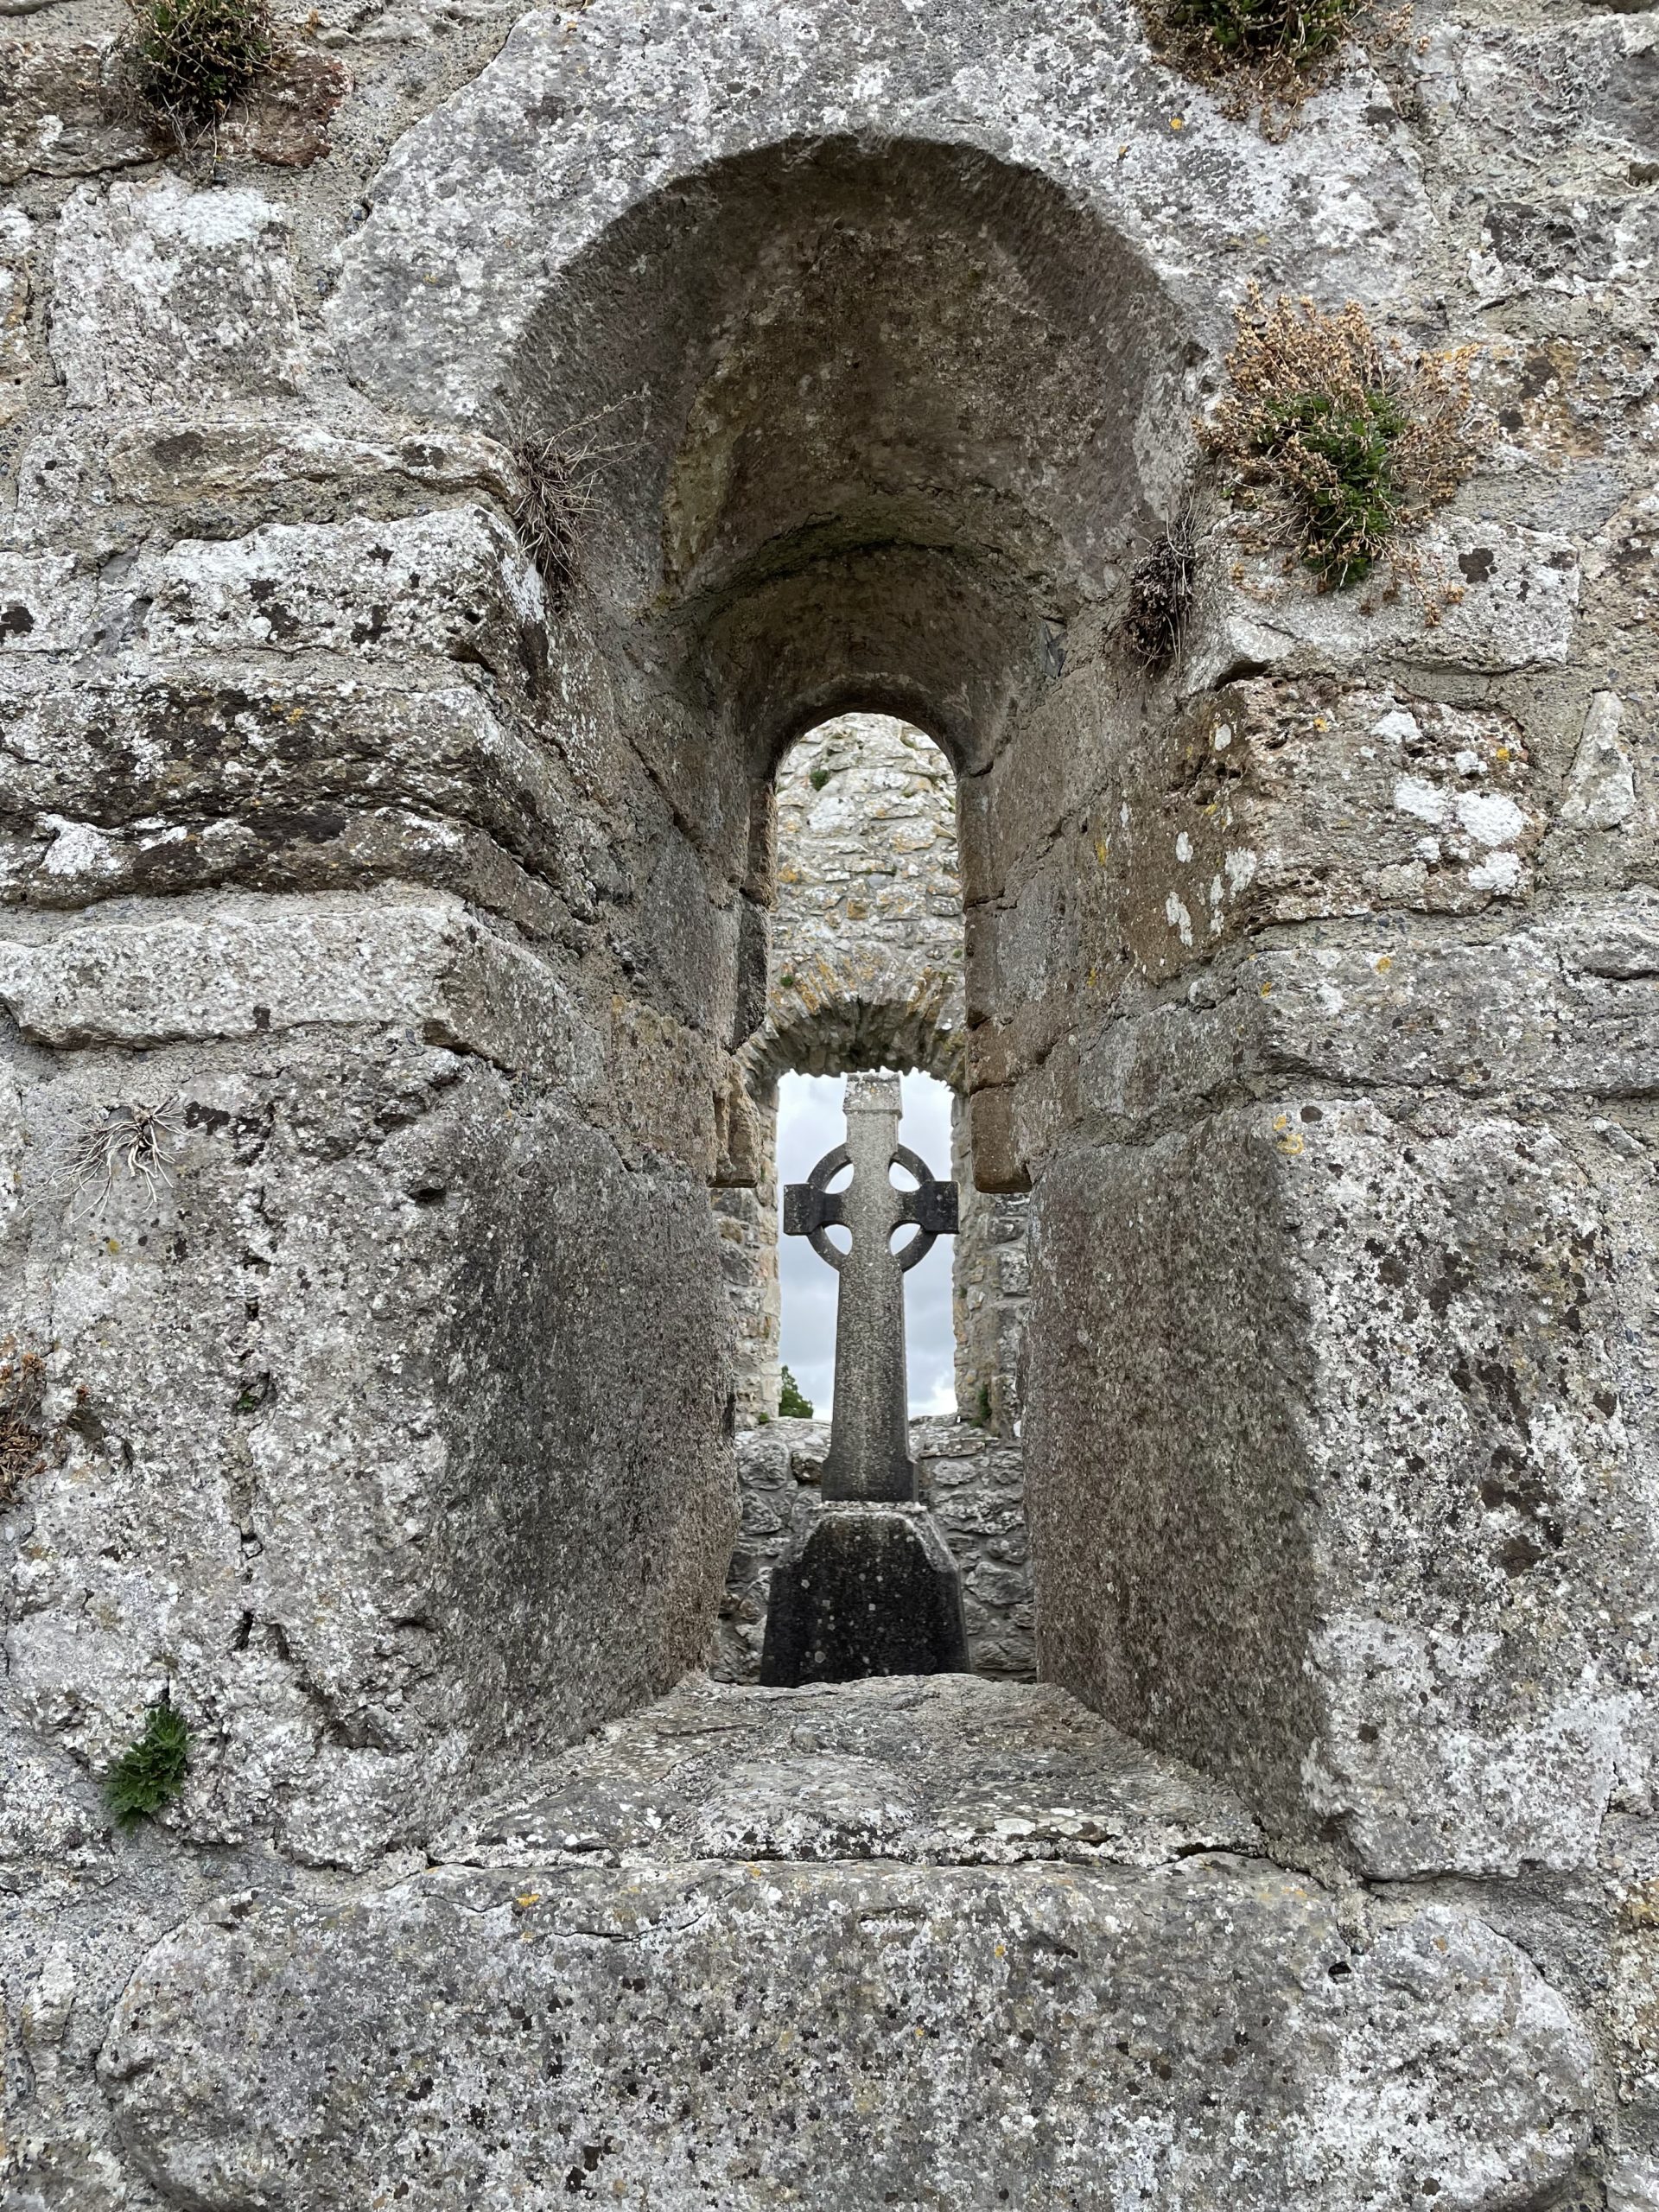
{"points": [[869, 415]]}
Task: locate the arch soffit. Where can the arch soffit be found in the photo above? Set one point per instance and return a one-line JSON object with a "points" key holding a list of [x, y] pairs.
{"points": [[846, 1035]]}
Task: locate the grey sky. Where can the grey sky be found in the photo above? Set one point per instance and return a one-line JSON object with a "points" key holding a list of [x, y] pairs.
{"points": [[810, 1124]]}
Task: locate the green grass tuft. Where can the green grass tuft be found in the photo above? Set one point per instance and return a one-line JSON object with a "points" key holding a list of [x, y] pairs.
{"points": [[150, 1773], [1352, 499], [1298, 32], [1265, 56]]}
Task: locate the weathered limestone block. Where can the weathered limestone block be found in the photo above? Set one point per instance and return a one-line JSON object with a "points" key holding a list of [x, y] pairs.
{"points": [[1624, 559], [1267, 803], [1577, 246], [1507, 597], [56, 121], [229, 967], [1601, 784], [163, 295], [233, 966], [1293, 803], [16, 240], [393, 1414], [1633, 2183], [168, 780], [164, 465], [1564, 1006], [1633, 2005], [47, 604], [223, 468], [1338, 1469], [790, 1969], [1573, 101], [452, 583], [990, 1288]]}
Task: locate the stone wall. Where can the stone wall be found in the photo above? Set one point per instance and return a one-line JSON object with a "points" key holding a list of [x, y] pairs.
{"points": [[422, 885]]}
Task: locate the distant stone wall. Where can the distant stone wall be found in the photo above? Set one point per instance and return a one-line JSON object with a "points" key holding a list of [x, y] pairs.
{"points": [[972, 1479], [867, 940], [865, 971]]}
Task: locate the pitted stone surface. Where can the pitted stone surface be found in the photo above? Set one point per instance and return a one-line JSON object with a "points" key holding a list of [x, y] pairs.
{"points": [[937, 1771], [638, 100], [167, 285], [763, 1942], [402, 1456]]}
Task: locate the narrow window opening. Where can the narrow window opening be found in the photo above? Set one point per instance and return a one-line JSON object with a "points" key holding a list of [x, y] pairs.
{"points": [[865, 974]]}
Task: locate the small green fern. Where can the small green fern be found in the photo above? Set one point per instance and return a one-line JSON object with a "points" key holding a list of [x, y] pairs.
{"points": [[150, 1773]]}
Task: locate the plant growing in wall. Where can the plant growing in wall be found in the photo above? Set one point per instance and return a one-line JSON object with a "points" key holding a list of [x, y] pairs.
{"points": [[1339, 443], [1160, 592], [793, 1403], [557, 490], [1261, 55], [185, 63], [149, 1773], [127, 1139]]}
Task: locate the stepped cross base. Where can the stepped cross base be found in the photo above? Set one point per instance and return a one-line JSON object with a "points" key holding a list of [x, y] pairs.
{"points": [[867, 1590]]}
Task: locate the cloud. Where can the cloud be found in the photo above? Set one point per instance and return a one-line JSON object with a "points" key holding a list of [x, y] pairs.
{"points": [[810, 1124]]}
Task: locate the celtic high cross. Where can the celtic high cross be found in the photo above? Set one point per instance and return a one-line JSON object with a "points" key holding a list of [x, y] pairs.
{"points": [[870, 1587], [869, 1451]]}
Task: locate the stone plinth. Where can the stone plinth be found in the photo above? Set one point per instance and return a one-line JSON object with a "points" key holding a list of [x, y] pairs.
{"points": [[972, 1481], [873, 1590]]}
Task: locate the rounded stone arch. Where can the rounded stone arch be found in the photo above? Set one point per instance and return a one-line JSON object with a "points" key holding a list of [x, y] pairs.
{"points": [[846, 1031], [868, 418], [486, 204], [622, 218]]}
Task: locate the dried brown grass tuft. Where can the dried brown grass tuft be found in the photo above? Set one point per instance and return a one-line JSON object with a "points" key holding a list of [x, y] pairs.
{"points": [[185, 64], [1160, 593], [1264, 57], [560, 488], [1338, 442]]}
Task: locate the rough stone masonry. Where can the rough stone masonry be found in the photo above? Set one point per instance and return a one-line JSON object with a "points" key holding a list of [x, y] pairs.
{"points": [[424, 893]]}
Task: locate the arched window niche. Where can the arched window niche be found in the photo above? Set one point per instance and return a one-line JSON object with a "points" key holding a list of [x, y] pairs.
{"points": [[865, 970]]}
